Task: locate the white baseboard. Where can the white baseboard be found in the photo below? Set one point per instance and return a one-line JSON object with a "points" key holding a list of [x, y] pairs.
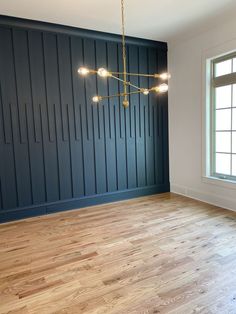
{"points": [[213, 199]]}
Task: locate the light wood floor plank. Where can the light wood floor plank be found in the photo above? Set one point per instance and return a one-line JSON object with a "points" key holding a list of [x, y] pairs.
{"points": [[155, 254]]}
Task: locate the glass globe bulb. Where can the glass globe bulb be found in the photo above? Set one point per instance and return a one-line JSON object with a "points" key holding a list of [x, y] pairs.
{"points": [[83, 71], [163, 88], [165, 76], [96, 98], [103, 72]]}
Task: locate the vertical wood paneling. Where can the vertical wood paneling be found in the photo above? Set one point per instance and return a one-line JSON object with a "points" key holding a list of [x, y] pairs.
{"points": [[121, 108], [33, 118], [120, 134], [55, 144], [36, 126], [55, 116], [63, 49], [8, 170], [77, 153], [163, 122], [7, 97], [22, 78], [152, 101], [6, 81], [21, 156], [98, 121], [130, 130], [142, 102], [88, 53], [112, 104], [2, 138], [62, 123], [49, 133], [20, 89]]}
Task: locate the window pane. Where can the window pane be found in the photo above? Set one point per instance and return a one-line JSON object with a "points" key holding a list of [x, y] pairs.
{"points": [[223, 142], [234, 120], [223, 163], [223, 119], [223, 96], [223, 68], [234, 65], [234, 165], [234, 96], [234, 142]]}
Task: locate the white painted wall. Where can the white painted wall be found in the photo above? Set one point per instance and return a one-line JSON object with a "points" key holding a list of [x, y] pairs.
{"points": [[185, 114]]}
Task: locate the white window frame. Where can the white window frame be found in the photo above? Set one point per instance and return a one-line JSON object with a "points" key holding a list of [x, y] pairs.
{"points": [[225, 80], [208, 56]]}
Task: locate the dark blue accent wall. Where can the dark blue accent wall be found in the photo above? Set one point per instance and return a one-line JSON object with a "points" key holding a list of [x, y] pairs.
{"points": [[57, 149]]}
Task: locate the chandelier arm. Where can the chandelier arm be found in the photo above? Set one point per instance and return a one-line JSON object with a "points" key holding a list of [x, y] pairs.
{"points": [[152, 89], [136, 74], [121, 94], [112, 74], [134, 86], [117, 78], [127, 83]]}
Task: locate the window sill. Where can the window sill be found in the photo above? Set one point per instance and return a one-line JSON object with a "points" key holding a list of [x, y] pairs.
{"points": [[224, 183]]}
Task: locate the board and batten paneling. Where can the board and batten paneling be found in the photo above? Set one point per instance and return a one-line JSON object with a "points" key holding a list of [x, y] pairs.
{"points": [[60, 151]]}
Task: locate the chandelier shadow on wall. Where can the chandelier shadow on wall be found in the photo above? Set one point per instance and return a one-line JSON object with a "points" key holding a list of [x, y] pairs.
{"points": [[123, 76]]}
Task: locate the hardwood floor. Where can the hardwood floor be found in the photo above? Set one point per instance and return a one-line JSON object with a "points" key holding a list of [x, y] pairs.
{"points": [[155, 254]]}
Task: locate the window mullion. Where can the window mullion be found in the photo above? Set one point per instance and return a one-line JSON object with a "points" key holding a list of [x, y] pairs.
{"points": [[231, 128], [231, 143], [213, 128]]}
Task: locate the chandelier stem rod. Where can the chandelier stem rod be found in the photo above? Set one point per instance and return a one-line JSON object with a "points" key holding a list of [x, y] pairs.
{"points": [[124, 49]]}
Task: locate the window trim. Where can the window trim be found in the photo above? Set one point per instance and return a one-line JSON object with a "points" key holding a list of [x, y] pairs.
{"points": [[213, 122], [217, 52], [226, 56], [220, 81], [226, 79]]}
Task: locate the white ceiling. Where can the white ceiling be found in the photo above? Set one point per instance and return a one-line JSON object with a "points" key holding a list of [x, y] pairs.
{"points": [[153, 19]]}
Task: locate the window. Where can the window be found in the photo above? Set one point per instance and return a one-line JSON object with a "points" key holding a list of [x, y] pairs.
{"points": [[223, 117]]}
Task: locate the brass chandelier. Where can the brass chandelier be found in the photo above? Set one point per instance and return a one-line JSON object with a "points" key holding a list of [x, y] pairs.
{"points": [[123, 76]]}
